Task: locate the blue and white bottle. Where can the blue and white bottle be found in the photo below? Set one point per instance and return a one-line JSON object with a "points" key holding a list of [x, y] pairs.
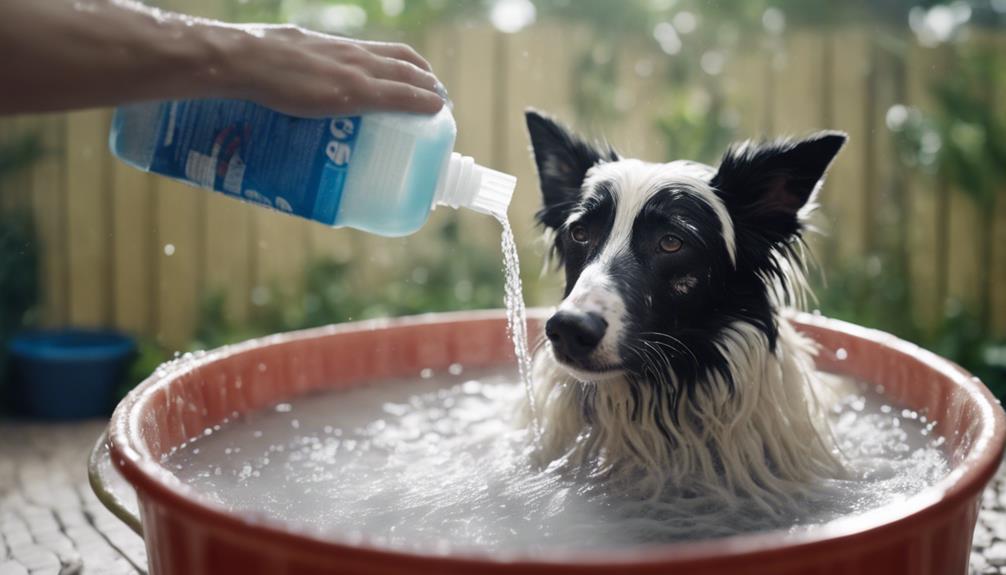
{"points": [[382, 173]]}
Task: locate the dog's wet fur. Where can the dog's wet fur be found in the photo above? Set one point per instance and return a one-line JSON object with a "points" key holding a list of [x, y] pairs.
{"points": [[669, 359]]}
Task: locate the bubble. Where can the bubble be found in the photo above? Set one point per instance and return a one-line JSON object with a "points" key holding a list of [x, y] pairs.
{"points": [[511, 16], [392, 8], [665, 35], [685, 22], [896, 117], [644, 68], [712, 62], [774, 21], [169, 249]]}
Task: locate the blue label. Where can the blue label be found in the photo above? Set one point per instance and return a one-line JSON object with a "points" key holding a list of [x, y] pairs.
{"points": [[295, 165]]}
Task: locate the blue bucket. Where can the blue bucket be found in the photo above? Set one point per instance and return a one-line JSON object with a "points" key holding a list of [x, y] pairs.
{"points": [[68, 373]]}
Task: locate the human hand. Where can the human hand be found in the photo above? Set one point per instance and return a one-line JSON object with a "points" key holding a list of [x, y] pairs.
{"points": [[309, 74]]}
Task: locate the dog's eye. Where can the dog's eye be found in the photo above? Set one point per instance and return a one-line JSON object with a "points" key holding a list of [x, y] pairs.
{"points": [[579, 233], [669, 244]]}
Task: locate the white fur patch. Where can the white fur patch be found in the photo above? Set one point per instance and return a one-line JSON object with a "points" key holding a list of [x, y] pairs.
{"points": [[594, 292], [635, 182], [766, 441]]}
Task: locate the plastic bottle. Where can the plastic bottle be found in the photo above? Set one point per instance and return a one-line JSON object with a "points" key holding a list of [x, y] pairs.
{"points": [[382, 173]]}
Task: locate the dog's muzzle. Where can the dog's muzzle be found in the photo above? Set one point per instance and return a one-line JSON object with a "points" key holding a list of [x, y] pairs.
{"points": [[575, 335]]}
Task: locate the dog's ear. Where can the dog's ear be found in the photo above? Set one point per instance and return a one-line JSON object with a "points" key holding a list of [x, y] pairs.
{"points": [[563, 159], [765, 185]]}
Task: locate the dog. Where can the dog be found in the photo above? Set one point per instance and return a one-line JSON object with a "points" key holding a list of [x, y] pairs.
{"points": [[670, 363]]}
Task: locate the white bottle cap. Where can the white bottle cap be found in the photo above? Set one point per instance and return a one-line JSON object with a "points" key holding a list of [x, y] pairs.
{"points": [[466, 184]]}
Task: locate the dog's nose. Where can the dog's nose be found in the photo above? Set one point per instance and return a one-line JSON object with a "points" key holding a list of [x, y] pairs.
{"points": [[575, 335]]}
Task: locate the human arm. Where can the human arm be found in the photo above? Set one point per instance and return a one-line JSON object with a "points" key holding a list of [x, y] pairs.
{"points": [[70, 54]]}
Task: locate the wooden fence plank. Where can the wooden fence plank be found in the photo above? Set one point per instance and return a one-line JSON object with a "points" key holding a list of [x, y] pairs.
{"points": [[797, 97], [997, 277], [281, 250], [8, 137], [476, 97], [640, 99], [177, 261], [540, 63], [964, 271], [49, 211], [884, 202], [133, 225], [227, 265], [921, 196], [846, 194], [799, 85], [746, 85], [17, 184], [89, 220]]}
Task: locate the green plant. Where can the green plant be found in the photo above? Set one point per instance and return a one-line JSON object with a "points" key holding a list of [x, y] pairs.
{"points": [[450, 276], [694, 124], [149, 355], [876, 293], [959, 143]]}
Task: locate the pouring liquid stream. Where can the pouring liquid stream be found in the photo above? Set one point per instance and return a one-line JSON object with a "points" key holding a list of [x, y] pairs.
{"points": [[516, 315]]}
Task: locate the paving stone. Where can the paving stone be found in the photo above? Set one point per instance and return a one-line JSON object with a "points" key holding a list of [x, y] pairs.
{"points": [[12, 568], [35, 557], [996, 554], [983, 536], [978, 562], [995, 520]]}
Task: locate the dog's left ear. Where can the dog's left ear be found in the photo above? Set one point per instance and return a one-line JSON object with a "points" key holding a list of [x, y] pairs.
{"points": [[764, 186]]}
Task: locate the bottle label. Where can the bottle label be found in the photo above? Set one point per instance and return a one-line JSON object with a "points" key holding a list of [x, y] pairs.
{"points": [[295, 165]]}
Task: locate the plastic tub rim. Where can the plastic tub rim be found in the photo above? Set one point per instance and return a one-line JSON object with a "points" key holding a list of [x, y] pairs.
{"points": [[137, 465]]}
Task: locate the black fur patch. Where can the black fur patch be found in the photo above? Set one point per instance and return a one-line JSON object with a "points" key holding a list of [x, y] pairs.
{"points": [[563, 159]]}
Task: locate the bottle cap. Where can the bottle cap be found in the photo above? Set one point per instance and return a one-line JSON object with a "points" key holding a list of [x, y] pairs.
{"points": [[466, 184], [494, 192]]}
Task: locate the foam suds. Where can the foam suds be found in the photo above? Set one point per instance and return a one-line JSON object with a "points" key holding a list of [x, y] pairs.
{"points": [[436, 464]]}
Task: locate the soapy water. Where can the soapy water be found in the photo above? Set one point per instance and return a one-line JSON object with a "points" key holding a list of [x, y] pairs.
{"points": [[436, 464]]}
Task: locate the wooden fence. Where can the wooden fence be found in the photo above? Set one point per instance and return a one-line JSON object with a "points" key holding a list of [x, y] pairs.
{"points": [[125, 249]]}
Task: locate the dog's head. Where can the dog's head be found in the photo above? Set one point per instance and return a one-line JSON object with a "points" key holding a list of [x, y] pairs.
{"points": [[660, 259]]}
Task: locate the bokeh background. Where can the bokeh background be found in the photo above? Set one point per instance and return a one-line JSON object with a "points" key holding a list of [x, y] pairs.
{"points": [[913, 220]]}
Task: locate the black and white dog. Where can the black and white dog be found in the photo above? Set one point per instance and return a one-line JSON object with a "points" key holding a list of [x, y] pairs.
{"points": [[668, 361]]}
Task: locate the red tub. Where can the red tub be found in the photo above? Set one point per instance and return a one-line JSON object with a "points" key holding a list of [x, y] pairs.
{"points": [[929, 533]]}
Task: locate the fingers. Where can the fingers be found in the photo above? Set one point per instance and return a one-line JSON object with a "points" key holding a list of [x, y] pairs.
{"points": [[398, 52], [390, 95], [405, 72]]}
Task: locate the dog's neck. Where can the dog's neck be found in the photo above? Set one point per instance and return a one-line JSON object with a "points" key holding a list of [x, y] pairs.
{"points": [[766, 438]]}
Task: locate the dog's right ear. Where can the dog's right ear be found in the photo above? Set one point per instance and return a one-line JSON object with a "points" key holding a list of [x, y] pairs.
{"points": [[563, 159]]}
